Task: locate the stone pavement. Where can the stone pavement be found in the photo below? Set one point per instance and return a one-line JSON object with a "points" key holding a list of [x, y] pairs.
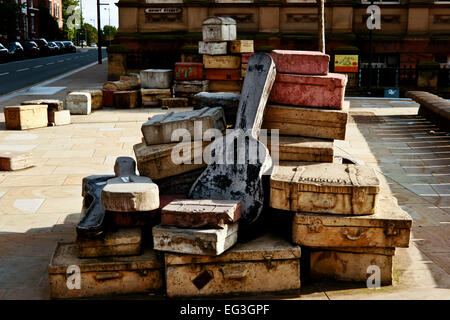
{"points": [[41, 205]]}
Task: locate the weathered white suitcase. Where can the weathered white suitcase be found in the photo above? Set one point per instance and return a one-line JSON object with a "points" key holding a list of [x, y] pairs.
{"points": [[121, 242], [302, 149], [221, 62], [211, 242], [156, 161], [156, 78], [191, 86], [307, 122], [152, 97], [160, 127], [352, 264], [324, 188], [25, 117], [267, 264], [219, 29], [103, 276], [212, 48], [15, 160], [390, 227]]}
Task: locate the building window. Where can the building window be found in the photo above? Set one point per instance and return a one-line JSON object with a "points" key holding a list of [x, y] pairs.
{"points": [[50, 6]]}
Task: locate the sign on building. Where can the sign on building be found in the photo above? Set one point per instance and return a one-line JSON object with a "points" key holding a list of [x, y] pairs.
{"points": [[345, 63]]}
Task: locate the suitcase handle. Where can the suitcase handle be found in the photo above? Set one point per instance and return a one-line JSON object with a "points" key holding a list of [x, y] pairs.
{"points": [[234, 272], [355, 237], [101, 276]]}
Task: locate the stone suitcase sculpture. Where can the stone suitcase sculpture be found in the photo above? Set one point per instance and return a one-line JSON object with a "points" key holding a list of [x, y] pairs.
{"points": [[104, 276], [222, 74], [218, 29], [79, 102], [389, 227], [174, 102], [129, 192], [127, 99], [212, 48], [160, 127], [52, 106], [267, 264], [310, 91], [188, 71], [191, 86], [59, 118], [303, 149], [25, 117], [229, 102], [156, 78], [241, 46], [221, 62], [233, 86], [324, 188], [195, 241], [152, 97], [235, 173], [15, 160], [200, 213], [123, 242], [301, 62], [307, 122]]}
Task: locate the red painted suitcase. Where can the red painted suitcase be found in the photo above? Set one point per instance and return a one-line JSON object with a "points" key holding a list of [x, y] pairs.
{"points": [[246, 56], [188, 71], [301, 62], [310, 91], [222, 74], [108, 98]]}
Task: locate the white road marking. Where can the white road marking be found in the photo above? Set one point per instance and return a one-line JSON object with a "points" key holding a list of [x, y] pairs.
{"points": [[39, 66], [4, 73], [24, 69], [60, 60], [50, 63]]}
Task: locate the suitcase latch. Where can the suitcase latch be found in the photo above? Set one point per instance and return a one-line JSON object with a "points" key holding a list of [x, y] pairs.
{"points": [[268, 259], [316, 226], [391, 230]]}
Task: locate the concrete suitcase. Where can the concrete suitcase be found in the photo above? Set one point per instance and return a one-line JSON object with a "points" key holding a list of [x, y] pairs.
{"points": [[96, 98], [191, 86], [159, 128], [188, 71], [25, 117], [174, 102], [231, 86], [200, 213], [301, 62], [212, 48], [221, 62], [229, 102], [390, 227], [222, 74], [15, 160], [267, 264], [303, 149], [156, 78], [108, 97], [156, 161], [218, 29], [324, 188], [152, 97], [103, 276], [121, 242], [310, 91], [79, 102], [59, 118], [241, 46], [351, 264], [307, 122], [52, 106], [126, 99], [211, 242]]}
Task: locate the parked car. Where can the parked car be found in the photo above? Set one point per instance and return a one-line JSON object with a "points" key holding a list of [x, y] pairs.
{"points": [[60, 45], [69, 46], [31, 49], [43, 46], [93, 45], [4, 53], [16, 51], [54, 49]]}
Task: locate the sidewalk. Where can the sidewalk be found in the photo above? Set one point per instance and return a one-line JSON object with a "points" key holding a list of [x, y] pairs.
{"points": [[41, 205]]}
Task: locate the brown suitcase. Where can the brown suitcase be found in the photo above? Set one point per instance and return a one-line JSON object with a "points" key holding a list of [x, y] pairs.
{"points": [[302, 149], [127, 99], [267, 264], [390, 227], [232, 86], [301, 62], [307, 122], [222, 74], [188, 71], [104, 276], [324, 188], [351, 264], [15, 160], [221, 62], [241, 46], [25, 117]]}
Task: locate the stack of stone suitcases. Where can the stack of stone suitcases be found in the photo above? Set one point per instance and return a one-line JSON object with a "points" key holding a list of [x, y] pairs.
{"points": [[139, 233]]}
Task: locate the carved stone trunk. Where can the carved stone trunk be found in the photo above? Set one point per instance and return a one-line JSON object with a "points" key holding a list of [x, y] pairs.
{"points": [[267, 264], [228, 101], [200, 213], [241, 46], [351, 264], [52, 106], [25, 117], [310, 91], [302, 149], [59, 118], [104, 276], [221, 62], [79, 102], [127, 99], [232, 86], [219, 29], [188, 71], [390, 227], [15, 160], [174, 102], [210, 242], [222, 74], [156, 161], [324, 188], [212, 48], [156, 78], [159, 128], [191, 86], [152, 97], [122, 242], [245, 57], [301, 62], [306, 122]]}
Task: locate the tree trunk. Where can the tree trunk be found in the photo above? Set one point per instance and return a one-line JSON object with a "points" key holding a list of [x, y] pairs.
{"points": [[321, 4]]}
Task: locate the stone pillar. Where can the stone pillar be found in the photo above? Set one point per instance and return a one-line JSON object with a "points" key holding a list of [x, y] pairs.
{"points": [[117, 62]]}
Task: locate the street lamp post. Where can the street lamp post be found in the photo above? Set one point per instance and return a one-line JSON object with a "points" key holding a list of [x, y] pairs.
{"points": [[369, 84]]}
